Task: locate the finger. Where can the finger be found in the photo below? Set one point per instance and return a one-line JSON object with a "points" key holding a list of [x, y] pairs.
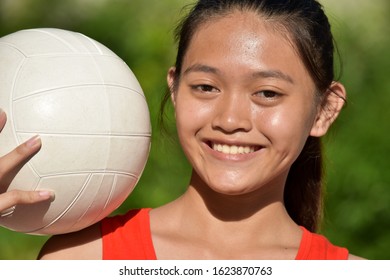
{"points": [[20, 155], [15, 197], [11, 163], [3, 119]]}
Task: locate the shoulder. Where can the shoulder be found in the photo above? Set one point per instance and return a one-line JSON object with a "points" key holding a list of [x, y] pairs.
{"points": [[112, 235], [84, 244], [354, 257]]}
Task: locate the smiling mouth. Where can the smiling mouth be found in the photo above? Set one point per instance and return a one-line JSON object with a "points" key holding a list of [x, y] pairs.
{"points": [[233, 149]]}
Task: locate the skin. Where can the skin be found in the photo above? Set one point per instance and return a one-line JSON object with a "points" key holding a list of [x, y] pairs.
{"points": [[242, 85]]}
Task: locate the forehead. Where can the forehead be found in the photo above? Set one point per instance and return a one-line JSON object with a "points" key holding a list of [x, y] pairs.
{"points": [[246, 39]]}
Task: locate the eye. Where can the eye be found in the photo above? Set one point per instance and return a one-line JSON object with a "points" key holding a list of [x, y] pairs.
{"points": [[268, 94], [204, 88]]}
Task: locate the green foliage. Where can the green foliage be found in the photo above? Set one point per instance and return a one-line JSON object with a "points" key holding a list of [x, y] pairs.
{"points": [[358, 148], [358, 194]]}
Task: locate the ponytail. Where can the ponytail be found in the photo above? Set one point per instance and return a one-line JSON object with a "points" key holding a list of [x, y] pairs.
{"points": [[304, 186]]}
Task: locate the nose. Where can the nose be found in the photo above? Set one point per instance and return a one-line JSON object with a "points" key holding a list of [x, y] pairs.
{"points": [[232, 114]]}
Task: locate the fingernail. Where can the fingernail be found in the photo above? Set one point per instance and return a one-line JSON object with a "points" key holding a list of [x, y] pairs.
{"points": [[32, 142], [46, 194]]}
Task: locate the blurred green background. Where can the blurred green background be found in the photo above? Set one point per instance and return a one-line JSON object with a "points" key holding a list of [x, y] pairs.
{"points": [[358, 147]]}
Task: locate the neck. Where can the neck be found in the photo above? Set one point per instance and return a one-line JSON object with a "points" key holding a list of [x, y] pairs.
{"points": [[261, 207], [236, 207], [213, 222]]}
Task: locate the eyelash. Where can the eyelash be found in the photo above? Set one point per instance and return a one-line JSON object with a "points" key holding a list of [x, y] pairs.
{"points": [[264, 94], [203, 88]]}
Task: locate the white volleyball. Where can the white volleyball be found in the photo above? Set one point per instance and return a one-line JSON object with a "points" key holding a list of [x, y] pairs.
{"points": [[93, 119]]}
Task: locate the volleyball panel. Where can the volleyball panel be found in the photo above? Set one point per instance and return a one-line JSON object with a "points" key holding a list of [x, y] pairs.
{"points": [[43, 41], [92, 110], [45, 73], [75, 154], [77, 110]]}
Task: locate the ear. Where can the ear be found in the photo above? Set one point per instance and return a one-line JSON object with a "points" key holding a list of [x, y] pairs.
{"points": [[329, 110], [171, 84]]}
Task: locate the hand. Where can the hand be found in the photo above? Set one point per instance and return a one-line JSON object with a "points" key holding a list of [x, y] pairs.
{"points": [[10, 164]]}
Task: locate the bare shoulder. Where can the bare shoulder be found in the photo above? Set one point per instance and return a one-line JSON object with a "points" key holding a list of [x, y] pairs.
{"points": [[353, 257], [85, 244]]}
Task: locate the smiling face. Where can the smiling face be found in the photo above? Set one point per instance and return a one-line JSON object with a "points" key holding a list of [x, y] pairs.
{"points": [[244, 104]]}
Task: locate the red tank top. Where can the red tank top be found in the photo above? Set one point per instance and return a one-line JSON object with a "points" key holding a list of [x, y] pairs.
{"points": [[128, 237]]}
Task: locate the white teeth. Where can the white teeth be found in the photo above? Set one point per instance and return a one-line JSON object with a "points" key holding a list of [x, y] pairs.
{"points": [[233, 150]]}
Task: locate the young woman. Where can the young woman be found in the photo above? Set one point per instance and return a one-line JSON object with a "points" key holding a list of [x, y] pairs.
{"points": [[253, 90]]}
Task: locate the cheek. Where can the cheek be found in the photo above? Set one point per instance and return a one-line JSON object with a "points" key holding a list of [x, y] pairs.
{"points": [[190, 117], [286, 128]]}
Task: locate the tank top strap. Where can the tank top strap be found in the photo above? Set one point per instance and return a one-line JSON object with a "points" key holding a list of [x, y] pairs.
{"points": [[128, 236], [316, 247]]}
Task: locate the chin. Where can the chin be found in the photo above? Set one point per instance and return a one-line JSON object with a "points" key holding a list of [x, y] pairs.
{"points": [[232, 190]]}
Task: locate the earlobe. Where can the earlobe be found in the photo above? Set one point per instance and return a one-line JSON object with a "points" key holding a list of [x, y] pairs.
{"points": [[171, 83], [330, 109]]}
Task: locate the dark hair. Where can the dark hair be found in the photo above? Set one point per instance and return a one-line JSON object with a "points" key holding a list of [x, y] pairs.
{"points": [[306, 24]]}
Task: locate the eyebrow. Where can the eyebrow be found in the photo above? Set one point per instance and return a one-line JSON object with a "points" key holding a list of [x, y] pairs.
{"points": [[201, 68], [276, 74]]}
